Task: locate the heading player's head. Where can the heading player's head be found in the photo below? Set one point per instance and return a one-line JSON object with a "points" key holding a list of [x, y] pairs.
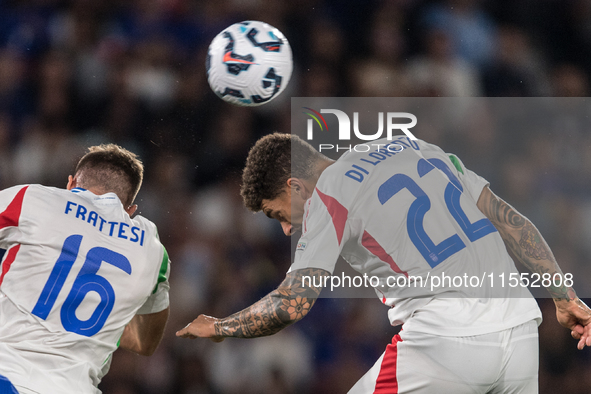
{"points": [[110, 168], [280, 175]]}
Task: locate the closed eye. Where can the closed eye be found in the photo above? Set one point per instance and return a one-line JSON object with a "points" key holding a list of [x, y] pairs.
{"points": [[269, 213], [275, 215]]}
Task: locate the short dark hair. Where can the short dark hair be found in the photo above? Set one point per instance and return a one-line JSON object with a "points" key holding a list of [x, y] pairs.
{"points": [[111, 168], [271, 162]]}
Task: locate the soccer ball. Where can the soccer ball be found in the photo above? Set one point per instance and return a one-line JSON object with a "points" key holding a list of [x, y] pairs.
{"points": [[249, 63]]}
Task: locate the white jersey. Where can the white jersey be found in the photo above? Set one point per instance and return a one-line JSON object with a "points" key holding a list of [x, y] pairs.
{"points": [[405, 213], [76, 270]]}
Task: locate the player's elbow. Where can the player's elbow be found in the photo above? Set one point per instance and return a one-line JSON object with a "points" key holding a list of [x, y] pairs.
{"points": [[139, 348], [148, 350]]}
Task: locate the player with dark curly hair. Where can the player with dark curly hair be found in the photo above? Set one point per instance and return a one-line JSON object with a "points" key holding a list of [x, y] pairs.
{"points": [[410, 216], [264, 179]]}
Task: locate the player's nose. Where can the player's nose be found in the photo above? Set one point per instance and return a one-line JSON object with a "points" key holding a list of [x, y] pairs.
{"points": [[287, 228]]}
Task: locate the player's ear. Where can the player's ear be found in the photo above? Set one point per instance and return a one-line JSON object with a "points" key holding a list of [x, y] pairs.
{"points": [[293, 184], [71, 182], [297, 186], [131, 209]]}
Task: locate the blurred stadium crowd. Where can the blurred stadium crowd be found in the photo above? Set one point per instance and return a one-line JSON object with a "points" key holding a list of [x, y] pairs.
{"points": [[74, 73]]}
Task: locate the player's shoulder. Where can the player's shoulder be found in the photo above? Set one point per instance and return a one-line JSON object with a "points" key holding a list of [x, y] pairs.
{"points": [[332, 185], [54, 195], [368, 155], [146, 225], [144, 222], [32, 189]]}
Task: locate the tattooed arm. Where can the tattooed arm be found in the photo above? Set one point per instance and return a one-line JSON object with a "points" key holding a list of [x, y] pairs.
{"points": [[528, 246], [289, 303], [523, 240]]}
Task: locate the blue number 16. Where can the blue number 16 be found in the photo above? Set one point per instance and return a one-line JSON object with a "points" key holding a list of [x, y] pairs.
{"points": [[86, 281], [434, 254]]}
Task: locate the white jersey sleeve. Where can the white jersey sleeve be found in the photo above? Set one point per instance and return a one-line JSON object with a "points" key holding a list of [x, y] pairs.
{"points": [[158, 300]]}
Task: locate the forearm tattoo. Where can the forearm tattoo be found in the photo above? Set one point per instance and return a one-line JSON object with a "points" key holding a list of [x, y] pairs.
{"points": [[526, 243], [532, 243], [290, 302], [499, 212]]}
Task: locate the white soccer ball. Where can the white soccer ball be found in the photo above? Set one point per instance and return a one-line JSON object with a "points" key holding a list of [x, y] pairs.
{"points": [[249, 63]]}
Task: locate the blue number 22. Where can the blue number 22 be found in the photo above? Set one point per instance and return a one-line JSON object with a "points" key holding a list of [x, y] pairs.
{"points": [[434, 254], [86, 281]]}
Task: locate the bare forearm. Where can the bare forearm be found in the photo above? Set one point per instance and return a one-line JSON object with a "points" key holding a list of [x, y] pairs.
{"points": [[144, 332], [277, 310], [263, 318], [524, 240], [130, 338]]}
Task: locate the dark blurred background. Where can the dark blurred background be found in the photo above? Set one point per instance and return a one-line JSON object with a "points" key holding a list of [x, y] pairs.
{"points": [[78, 73]]}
